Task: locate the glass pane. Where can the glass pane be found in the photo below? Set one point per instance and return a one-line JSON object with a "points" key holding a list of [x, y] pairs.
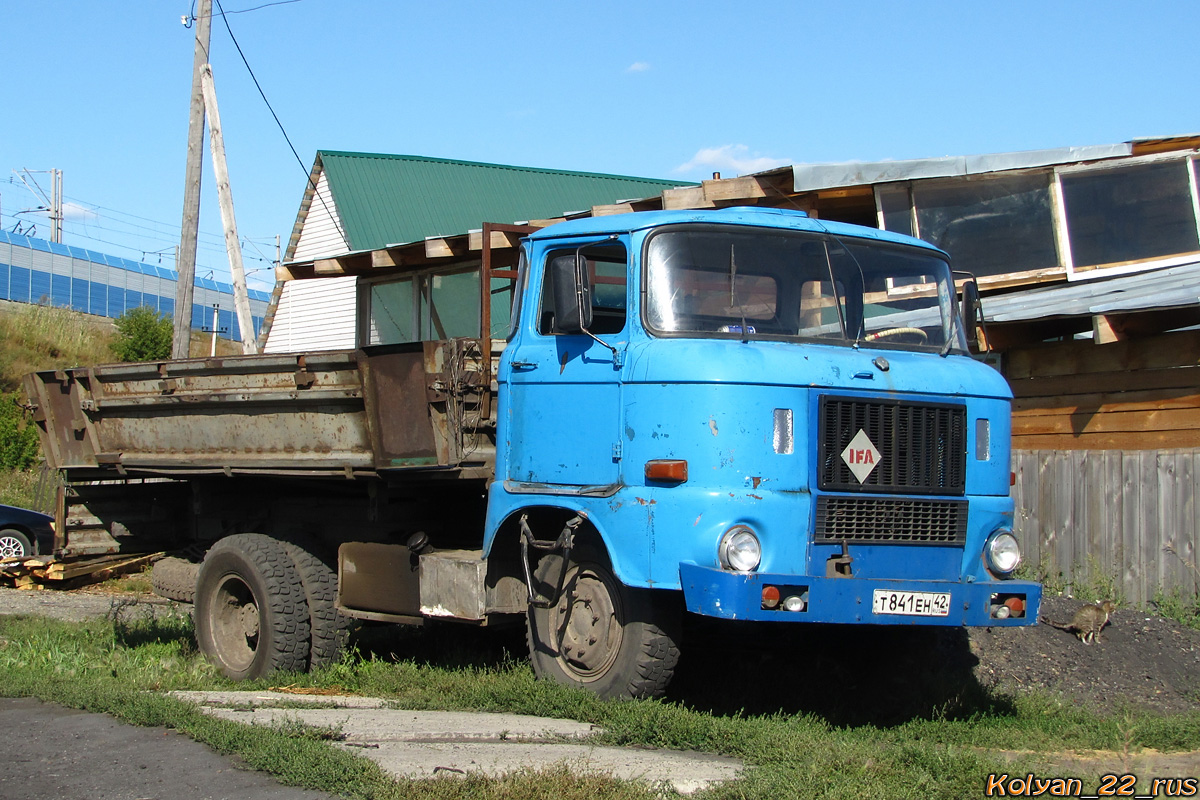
{"points": [[391, 318], [783, 285], [450, 306], [990, 226], [1131, 213], [502, 304], [896, 209], [608, 269]]}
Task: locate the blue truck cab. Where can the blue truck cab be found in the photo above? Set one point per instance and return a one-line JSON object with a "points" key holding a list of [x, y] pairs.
{"points": [[770, 417]]}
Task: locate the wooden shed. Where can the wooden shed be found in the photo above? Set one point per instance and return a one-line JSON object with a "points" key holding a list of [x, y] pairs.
{"points": [[1089, 261]]}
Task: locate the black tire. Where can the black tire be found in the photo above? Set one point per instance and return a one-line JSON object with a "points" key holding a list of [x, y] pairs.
{"points": [[330, 627], [14, 544], [175, 579], [614, 641], [251, 615]]}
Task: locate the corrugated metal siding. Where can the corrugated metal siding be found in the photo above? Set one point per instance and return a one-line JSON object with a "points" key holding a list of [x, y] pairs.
{"points": [[320, 237], [36, 271], [315, 315], [386, 199]]}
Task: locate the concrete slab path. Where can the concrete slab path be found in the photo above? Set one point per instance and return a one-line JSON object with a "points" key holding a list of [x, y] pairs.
{"points": [[417, 744]]}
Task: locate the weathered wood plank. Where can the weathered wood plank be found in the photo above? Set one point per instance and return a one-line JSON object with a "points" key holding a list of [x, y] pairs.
{"points": [[1081, 356], [1117, 440], [1106, 514], [1105, 382], [1166, 419], [1108, 402]]}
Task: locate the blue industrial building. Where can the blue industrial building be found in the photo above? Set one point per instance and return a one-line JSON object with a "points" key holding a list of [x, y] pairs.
{"points": [[37, 271]]}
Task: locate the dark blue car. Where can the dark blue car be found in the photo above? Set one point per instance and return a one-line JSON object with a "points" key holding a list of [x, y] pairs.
{"points": [[25, 533]]}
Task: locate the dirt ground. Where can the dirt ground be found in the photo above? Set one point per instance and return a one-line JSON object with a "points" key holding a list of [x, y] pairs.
{"points": [[1141, 661]]}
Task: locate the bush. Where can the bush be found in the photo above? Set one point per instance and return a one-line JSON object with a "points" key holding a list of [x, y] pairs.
{"points": [[19, 446], [143, 335]]}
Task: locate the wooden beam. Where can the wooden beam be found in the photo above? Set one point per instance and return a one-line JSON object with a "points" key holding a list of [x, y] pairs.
{"points": [[726, 189], [499, 240], [382, 259], [612, 208], [686, 197], [283, 274], [447, 247], [325, 267]]}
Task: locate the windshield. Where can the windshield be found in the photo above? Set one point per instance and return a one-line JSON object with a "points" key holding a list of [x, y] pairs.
{"points": [[767, 284]]}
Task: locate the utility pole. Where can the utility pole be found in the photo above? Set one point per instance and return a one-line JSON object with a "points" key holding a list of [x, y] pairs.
{"points": [[56, 205], [241, 298], [186, 265]]}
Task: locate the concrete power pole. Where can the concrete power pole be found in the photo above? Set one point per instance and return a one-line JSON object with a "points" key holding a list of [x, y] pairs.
{"points": [[241, 297], [186, 265]]}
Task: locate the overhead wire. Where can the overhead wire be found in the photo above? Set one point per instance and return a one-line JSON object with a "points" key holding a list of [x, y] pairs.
{"points": [[307, 173]]}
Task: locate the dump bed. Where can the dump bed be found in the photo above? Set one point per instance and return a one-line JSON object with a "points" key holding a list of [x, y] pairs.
{"points": [[420, 406]]}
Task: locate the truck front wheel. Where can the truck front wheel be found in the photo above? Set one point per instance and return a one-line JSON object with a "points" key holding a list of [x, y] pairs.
{"points": [[614, 641], [251, 614]]}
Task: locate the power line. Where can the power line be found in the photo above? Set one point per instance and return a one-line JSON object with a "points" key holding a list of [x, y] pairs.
{"points": [[257, 85]]}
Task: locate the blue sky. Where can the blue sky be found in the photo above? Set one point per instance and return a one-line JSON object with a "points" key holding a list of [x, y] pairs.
{"points": [[100, 89]]}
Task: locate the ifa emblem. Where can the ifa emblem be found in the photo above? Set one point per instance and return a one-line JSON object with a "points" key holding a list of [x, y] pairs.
{"points": [[861, 456]]}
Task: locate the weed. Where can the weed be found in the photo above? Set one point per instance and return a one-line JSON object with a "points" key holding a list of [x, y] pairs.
{"points": [[1174, 605]]}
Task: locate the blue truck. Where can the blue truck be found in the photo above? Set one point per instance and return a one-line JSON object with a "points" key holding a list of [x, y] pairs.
{"points": [[745, 414]]}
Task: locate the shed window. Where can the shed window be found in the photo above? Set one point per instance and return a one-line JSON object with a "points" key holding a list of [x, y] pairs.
{"points": [[990, 226], [424, 307], [1130, 213]]}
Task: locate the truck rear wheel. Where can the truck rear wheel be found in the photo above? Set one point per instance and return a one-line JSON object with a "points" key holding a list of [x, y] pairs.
{"points": [[330, 627], [251, 614], [603, 636], [175, 579]]}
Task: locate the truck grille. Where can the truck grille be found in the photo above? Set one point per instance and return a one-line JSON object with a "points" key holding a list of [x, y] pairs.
{"points": [[922, 447], [887, 520]]}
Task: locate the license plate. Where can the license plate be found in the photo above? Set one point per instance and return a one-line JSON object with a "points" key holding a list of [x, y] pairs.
{"points": [[914, 604]]}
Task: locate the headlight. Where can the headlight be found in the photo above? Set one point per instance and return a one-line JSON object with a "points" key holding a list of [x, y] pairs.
{"points": [[1002, 552], [739, 549]]}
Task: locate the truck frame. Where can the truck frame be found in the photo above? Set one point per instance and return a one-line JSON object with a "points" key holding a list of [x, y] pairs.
{"points": [[744, 414]]}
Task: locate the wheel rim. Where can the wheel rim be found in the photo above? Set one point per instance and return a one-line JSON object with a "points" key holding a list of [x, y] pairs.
{"points": [[11, 547], [236, 623], [586, 622]]}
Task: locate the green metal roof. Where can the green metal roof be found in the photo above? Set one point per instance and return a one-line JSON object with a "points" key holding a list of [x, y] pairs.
{"points": [[393, 199]]}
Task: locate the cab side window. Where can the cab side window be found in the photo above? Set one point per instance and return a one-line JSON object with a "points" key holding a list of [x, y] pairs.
{"points": [[607, 270]]}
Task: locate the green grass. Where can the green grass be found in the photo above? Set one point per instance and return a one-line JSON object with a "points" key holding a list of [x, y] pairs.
{"points": [[123, 668], [38, 337]]}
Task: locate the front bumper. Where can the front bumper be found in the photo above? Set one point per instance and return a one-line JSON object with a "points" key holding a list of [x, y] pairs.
{"points": [[737, 595]]}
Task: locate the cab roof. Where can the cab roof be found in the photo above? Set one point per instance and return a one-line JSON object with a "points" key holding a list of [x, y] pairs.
{"points": [[747, 215]]}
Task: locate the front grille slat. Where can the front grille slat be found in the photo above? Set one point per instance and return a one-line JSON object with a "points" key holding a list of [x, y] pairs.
{"points": [[922, 447], [864, 520]]}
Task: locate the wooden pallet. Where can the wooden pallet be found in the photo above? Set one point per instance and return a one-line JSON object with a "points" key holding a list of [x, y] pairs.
{"points": [[41, 572]]}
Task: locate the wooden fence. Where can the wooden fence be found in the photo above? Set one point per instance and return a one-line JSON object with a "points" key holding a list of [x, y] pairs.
{"points": [[1130, 516]]}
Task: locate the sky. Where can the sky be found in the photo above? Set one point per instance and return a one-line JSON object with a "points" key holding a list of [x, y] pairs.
{"points": [[100, 89]]}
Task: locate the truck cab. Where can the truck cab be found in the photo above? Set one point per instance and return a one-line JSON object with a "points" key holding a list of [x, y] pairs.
{"points": [[775, 416]]}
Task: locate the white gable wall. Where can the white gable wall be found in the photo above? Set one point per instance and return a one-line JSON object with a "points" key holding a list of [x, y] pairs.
{"points": [[316, 314], [320, 235]]}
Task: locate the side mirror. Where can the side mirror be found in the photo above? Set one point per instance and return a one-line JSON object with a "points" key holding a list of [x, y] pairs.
{"points": [[572, 294], [972, 312]]}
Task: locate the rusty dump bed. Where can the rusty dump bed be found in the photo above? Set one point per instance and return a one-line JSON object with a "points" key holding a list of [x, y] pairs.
{"points": [[421, 406]]}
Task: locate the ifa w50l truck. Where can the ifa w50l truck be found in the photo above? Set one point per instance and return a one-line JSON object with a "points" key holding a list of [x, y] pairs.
{"points": [[745, 414]]}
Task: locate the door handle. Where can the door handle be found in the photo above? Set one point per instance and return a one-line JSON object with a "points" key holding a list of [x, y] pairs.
{"points": [[524, 365]]}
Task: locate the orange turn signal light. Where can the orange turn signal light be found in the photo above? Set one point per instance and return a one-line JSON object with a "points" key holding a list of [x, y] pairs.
{"points": [[666, 469]]}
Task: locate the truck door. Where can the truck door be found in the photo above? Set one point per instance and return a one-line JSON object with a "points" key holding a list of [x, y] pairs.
{"points": [[565, 389]]}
